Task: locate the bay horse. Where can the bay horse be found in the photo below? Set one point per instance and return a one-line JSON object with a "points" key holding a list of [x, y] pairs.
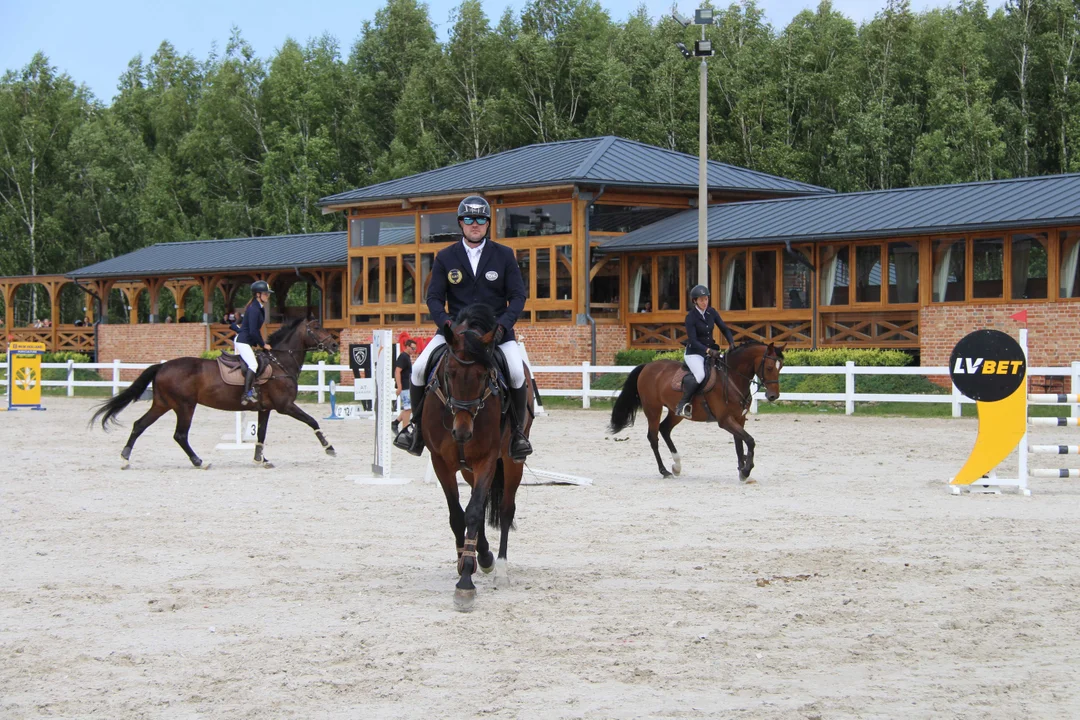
{"points": [[653, 387], [467, 430], [184, 383]]}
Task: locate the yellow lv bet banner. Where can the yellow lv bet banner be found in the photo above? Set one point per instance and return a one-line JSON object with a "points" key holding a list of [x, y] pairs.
{"points": [[24, 375]]}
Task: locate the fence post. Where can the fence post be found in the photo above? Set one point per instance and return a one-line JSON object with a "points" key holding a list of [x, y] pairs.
{"points": [[585, 385], [115, 377], [322, 379], [1074, 387], [849, 387], [71, 378], [753, 404], [956, 412]]}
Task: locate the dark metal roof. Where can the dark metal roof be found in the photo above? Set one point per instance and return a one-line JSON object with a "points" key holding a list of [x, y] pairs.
{"points": [[609, 160], [967, 207], [327, 249]]}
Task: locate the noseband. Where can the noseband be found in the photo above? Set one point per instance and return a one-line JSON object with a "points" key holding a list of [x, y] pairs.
{"points": [[473, 407]]}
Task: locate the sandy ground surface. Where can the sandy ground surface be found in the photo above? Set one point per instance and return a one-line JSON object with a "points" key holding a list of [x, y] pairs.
{"points": [[845, 583]]}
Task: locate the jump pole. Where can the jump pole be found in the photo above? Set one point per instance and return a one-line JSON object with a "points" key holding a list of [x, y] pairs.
{"points": [[382, 358]]}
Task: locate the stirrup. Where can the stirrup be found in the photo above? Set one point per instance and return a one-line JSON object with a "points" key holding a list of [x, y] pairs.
{"points": [[249, 399], [520, 447], [685, 410]]}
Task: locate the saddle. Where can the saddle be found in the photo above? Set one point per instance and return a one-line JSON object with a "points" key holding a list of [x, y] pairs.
{"points": [[232, 369], [706, 385]]}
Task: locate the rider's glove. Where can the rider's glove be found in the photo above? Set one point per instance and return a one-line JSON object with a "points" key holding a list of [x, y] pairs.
{"points": [[500, 333]]}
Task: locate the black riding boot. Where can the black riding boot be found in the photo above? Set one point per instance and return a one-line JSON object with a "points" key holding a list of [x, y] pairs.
{"points": [[689, 387], [410, 439], [520, 448], [248, 398]]}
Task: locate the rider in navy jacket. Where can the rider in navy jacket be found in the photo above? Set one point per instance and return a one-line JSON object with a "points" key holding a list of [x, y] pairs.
{"points": [[497, 283], [700, 322], [250, 331], [249, 336]]}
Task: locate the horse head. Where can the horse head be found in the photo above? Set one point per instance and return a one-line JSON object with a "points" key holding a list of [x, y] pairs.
{"points": [[316, 337], [468, 377], [755, 359]]}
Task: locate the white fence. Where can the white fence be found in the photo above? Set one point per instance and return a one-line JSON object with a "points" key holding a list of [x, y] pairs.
{"points": [[849, 397]]}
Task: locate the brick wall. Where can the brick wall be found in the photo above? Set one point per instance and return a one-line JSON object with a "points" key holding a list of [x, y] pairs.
{"points": [[149, 343], [546, 344], [1053, 330]]}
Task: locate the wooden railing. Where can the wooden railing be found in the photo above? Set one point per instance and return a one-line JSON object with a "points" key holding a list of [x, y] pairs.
{"points": [[221, 336], [879, 329], [58, 338]]}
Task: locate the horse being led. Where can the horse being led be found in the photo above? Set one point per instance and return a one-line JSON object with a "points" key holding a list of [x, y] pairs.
{"points": [[469, 431], [182, 384], [655, 386]]}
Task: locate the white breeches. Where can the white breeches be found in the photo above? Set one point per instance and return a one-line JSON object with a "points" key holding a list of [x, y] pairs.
{"points": [[696, 363], [244, 351], [510, 350]]}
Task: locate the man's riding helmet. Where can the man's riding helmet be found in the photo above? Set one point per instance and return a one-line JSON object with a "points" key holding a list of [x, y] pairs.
{"points": [[699, 291], [474, 206], [260, 286]]}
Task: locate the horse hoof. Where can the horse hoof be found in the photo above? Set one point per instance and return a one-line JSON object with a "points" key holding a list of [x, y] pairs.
{"points": [[665, 473], [502, 575], [203, 465], [464, 600], [331, 451], [490, 566], [264, 464], [125, 465], [677, 465]]}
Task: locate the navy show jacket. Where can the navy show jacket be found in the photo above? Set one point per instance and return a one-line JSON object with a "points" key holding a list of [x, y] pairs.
{"points": [[497, 283], [699, 330], [251, 326]]}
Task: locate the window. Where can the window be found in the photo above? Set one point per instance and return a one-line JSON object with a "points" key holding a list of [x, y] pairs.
{"points": [[426, 261], [332, 309], [868, 273], [669, 285], [690, 262], [373, 267], [534, 221], [543, 273], [564, 276], [640, 284], [903, 272], [948, 277], [356, 275], [1070, 269], [408, 279], [525, 265], [604, 293], [733, 280], [835, 275], [987, 264], [390, 294], [439, 227], [763, 265], [797, 280], [626, 218], [372, 232], [1028, 264]]}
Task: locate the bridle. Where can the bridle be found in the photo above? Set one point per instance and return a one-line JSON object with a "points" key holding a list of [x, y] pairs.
{"points": [[755, 383], [320, 344], [454, 405]]}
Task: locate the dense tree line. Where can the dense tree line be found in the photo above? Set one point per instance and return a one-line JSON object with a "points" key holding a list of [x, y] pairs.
{"points": [[237, 145]]}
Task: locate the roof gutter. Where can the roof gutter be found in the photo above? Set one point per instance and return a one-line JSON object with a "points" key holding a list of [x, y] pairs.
{"points": [[588, 269]]}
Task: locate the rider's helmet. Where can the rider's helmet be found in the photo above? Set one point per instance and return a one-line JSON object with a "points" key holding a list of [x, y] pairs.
{"points": [[260, 286], [699, 291], [474, 206]]}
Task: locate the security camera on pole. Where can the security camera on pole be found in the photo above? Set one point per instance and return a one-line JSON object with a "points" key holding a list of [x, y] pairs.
{"points": [[702, 49]]}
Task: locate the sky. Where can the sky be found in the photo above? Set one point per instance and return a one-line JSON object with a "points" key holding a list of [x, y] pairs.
{"points": [[93, 41]]}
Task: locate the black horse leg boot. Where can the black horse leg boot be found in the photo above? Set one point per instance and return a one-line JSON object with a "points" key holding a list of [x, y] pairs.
{"points": [[248, 398], [689, 386], [520, 448], [410, 439]]}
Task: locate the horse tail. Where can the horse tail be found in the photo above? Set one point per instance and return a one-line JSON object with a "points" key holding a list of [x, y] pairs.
{"points": [[628, 402], [495, 496], [108, 410]]}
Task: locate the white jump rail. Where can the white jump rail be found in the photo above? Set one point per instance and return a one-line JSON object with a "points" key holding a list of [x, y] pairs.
{"points": [[586, 392]]}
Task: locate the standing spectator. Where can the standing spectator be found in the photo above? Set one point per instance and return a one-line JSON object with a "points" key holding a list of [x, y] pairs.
{"points": [[402, 371]]}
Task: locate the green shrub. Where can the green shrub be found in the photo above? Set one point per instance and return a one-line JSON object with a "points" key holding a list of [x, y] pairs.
{"points": [[314, 356], [834, 357], [63, 357], [634, 357], [212, 354], [898, 385], [671, 355]]}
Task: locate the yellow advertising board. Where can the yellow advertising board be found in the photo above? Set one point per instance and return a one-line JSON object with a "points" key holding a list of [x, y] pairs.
{"points": [[24, 375]]}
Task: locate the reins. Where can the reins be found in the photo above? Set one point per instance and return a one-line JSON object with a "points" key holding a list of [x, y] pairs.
{"points": [[452, 404]]}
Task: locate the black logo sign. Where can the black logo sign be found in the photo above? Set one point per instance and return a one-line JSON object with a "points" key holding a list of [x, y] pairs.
{"points": [[360, 359], [987, 365]]}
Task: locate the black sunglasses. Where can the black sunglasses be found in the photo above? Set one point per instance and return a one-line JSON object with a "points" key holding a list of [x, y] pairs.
{"points": [[477, 220]]}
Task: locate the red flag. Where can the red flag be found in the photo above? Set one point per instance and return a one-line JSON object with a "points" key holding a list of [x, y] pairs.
{"points": [[1020, 316]]}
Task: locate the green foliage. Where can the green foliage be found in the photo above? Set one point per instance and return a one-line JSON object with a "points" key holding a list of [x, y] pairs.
{"points": [[211, 354], [835, 357], [634, 357], [64, 356]]}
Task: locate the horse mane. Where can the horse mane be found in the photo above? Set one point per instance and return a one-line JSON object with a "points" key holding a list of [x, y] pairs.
{"points": [[752, 343], [284, 332], [480, 319]]}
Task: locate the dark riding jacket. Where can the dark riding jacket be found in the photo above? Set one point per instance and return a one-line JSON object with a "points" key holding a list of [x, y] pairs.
{"points": [[251, 326], [699, 330], [497, 284]]}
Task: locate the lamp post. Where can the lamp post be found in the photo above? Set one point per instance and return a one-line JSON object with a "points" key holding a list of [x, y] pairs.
{"points": [[702, 49]]}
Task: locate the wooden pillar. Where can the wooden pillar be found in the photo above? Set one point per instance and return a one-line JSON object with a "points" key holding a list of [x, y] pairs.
{"points": [[208, 283], [7, 290], [131, 293], [179, 290], [153, 286], [53, 288]]}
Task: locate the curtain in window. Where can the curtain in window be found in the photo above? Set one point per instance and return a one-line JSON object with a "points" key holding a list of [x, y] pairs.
{"points": [[942, 262], [828, 275], [729, 282], [635, 288], [1070, 247]]}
